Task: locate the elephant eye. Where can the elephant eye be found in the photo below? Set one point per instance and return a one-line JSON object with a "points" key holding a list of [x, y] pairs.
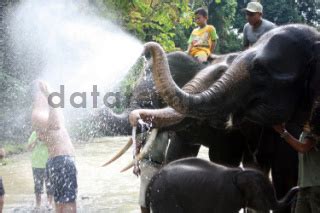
{"points": [[259, 71], [259, 68]]}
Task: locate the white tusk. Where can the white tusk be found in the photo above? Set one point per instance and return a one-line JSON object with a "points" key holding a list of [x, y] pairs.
{"points": [[229, 122], [147, 147], [128, 166], [120, 153], [144, 150]]}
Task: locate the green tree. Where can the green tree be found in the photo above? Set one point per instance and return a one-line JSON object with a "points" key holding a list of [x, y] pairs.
{"points": [[151, 19], [222, 16], [310, 11], [240, 18], [281, 11]]}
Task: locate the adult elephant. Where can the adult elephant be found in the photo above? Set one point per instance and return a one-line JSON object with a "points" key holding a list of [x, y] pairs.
{"points": [[144, 95], [275, 81], [195, 185]]}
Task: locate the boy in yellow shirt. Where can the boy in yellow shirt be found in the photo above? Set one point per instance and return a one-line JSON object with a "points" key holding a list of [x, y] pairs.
{"points": [[203, 39]]}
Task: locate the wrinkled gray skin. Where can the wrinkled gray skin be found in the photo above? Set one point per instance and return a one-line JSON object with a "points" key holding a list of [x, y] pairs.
{"points": [[275, 81], [198, 186], [183, 68], [188, 134]]}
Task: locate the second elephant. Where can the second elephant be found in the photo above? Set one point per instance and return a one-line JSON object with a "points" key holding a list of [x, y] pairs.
{"points": [[194, 185]]}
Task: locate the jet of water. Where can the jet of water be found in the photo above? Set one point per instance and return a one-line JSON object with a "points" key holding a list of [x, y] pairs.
{"points": [[71, 45]]}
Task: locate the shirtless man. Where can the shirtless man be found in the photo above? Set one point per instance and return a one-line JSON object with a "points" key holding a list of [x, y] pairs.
{"points": [[48, 122]]}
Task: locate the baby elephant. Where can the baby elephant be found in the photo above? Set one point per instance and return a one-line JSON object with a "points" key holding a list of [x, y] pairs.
{"points": [[195, 185]]}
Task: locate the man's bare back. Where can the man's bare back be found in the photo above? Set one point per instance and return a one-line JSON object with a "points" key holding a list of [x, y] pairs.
{"points": [[49, 123]]}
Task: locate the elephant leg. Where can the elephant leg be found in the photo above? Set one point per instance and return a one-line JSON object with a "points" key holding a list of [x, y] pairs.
{"points": [[284, 174], [227, 148], [261, 164], [160, 196], [180, 147], [169, 206]]}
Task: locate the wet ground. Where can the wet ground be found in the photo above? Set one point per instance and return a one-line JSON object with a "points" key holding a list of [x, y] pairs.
{"points": [[101, 189]]}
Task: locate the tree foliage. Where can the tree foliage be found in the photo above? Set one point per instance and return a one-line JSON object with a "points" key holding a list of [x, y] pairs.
{"points": [[151, 19], [310, 11], [221, 15], [282, 12]]}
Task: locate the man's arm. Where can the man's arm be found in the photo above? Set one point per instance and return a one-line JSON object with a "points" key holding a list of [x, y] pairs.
{"points": [[214, 38], [40, 112], [55, 119], [293, 142], [44, 116], [299, 147], [32, 141], [190, 43], [189, 48], [213, 46], [246, 43]]}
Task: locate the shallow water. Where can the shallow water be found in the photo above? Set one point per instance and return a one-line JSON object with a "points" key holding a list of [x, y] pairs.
{"points": [[101, 189]]}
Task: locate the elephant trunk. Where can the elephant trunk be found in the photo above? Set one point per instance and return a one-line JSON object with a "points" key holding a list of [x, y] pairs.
{"points": [[157, 117], [219, 96], [168, 116], [106, 120], [285, 201]]}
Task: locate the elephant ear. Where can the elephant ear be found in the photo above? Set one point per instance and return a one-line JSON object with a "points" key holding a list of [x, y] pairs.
{"points": [[257, 190], [315, 112]]}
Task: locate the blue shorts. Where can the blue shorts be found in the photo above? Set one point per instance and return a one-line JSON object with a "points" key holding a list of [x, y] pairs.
{"points": [[62, 175]]}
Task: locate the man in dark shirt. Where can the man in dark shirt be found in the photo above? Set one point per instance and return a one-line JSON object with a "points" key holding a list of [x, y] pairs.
{"points": [[256, 25]]}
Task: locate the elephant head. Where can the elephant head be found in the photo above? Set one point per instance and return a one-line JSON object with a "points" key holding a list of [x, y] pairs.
{"points": [[200, 82], [259, 193], [265, 84], [144, 95]]}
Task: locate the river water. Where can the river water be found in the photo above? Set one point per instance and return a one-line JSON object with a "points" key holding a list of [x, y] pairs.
{"points": [[101, 189]]}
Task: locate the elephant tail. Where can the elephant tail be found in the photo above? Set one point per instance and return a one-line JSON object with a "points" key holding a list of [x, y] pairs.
{"points": [[287, 199]]}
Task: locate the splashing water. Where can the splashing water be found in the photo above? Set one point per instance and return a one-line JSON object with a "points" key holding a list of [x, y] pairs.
{"points": [[68, 44]]}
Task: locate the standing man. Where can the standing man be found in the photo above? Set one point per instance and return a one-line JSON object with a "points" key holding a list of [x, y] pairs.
{"points": [[48, 122], [308, 200], [256, 25]]}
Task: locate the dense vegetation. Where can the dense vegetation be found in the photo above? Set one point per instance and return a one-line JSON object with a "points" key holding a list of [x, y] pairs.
{"points": [[167, 22]]}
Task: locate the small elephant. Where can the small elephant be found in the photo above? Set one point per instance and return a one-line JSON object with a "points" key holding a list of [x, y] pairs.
{"points": [[195, 185]]}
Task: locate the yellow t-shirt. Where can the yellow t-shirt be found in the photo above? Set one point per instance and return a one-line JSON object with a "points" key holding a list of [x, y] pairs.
{"points": [[202, 39]]}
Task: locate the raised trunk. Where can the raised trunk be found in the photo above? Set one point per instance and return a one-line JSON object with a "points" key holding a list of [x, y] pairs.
{"points": [[220, 96], [168, 116], [106, 120]]}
